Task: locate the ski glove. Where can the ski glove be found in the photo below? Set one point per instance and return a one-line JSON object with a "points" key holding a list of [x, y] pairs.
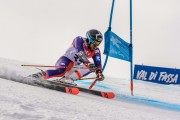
{"points": [[99, 75], [91, 67]]}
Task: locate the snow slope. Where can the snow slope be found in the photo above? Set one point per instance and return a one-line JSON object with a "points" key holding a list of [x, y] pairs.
{"points": [[26, 102]]}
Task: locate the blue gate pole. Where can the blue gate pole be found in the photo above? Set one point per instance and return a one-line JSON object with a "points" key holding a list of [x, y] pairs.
{"points": [[109, 28], [131, 66]]}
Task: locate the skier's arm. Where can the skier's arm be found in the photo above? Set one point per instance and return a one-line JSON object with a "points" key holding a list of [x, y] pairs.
{"points": [[97, 62], [82, 57], [97, 59], [85, 61]]}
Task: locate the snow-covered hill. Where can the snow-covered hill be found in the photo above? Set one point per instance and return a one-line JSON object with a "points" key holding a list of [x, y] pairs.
{"points": [[20, 101]]}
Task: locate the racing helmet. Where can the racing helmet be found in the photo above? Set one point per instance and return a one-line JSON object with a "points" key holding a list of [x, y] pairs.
{"points": [[94, 37]]}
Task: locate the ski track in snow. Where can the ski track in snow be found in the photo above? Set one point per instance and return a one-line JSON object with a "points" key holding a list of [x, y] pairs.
{"points": [[25, 102], [138, 99]]}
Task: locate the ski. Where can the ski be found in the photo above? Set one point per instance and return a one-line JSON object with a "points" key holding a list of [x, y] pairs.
{"points": [[58, 87], [109, 95]]}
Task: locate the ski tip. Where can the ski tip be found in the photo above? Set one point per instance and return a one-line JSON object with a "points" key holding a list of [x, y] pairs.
{"points": [[108, 95], [73, 91]]}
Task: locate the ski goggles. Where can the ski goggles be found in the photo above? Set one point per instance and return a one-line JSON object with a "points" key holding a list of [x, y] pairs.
{"points": [[96, 43]]}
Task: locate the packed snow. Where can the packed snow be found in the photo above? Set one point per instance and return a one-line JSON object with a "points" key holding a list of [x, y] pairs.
{"points": [[19, 101]]}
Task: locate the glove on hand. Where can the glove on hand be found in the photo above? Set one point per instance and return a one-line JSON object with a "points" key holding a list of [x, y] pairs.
{"points": [[99, 75], [91, 67]]}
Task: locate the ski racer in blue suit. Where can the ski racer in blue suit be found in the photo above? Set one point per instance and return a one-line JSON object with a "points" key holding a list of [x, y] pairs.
{"points": [[78, 54]]}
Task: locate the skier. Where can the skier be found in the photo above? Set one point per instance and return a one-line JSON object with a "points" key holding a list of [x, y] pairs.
{"points": [[78, 53]]}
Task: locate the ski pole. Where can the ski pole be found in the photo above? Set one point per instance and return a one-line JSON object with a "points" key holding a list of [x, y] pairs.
{"points": [[87, 78], [93, 84], [80, 67]]}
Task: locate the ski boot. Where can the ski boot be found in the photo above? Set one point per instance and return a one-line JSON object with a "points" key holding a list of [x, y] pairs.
{"points": [[66, 81], [39, 76]]}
